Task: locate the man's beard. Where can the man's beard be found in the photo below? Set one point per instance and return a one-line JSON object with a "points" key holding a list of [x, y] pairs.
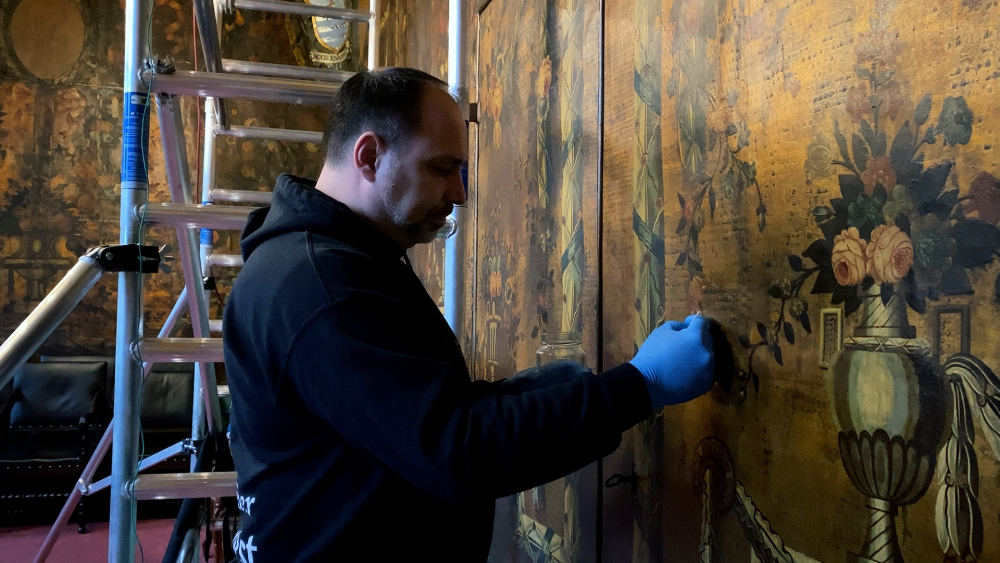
{"points": [[415, 231]]}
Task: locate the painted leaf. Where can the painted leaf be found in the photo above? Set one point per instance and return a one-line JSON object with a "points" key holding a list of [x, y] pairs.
{"points": [[923, 110], [711, 201], [930, 183], [901, 152], [860, 151], [774, 291], [851, 187], [795, 261], [872, 138], [804, 320], [825, 282], [776, 350], [789, 333], [762, 331], [841, 142], [744, 340], [975, 241], [955, 281], [682, 258]]}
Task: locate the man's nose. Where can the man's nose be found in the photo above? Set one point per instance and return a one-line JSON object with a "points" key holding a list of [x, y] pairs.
{"points": [[456, 191]]}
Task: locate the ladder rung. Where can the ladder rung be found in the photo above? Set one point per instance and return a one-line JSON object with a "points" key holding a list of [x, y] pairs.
{"points": [[185, 485], [181, 349], [224, 85], [215, 325], [226, 260], [271, 133], [304, 10], [241, 196], [218, 217], [286, 71]]}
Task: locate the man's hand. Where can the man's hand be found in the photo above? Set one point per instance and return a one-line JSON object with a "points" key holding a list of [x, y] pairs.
{"points": [[677, 361]]}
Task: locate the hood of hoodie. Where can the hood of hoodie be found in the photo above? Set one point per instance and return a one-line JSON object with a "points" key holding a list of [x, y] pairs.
{"points": [[298, 206]]}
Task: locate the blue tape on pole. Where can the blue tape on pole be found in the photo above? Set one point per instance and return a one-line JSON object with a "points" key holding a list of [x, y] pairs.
{"points": [[135, 138], [206, 237], [465, 179]]}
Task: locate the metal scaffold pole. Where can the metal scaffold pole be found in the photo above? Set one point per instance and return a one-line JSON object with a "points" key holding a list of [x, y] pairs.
{"points": [[128, 371], [454, 247]]}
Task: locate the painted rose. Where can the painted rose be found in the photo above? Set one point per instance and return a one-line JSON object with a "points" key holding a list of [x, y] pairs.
{"points": [[890, 254], [850, 265], [879, 171]]}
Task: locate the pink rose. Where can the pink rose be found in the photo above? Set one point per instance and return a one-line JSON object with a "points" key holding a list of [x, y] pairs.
{"points": [[890, 254], [850, 265]]}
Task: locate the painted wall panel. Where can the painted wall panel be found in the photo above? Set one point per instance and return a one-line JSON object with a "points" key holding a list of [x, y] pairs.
{"points": [[827, 177], [536, 232]]}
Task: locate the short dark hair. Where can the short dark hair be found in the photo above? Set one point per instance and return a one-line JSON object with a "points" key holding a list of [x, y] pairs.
{"points": [[385, 101]]}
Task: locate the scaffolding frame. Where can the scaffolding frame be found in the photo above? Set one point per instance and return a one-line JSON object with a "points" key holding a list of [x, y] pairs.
{"points": [[145, 77]]}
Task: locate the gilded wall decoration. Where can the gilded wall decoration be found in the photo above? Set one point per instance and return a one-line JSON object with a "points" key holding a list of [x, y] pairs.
{"points": [[535, 271]]}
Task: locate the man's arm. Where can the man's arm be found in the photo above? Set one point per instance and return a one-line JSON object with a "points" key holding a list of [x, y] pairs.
{"points": [[359, 366]]}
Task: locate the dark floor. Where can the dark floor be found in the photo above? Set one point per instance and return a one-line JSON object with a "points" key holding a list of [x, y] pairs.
{"points": [[20, 544]]}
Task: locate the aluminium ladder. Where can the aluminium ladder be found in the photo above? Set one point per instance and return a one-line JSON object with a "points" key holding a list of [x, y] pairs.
{"points": [[147, 77], [150, 77]]}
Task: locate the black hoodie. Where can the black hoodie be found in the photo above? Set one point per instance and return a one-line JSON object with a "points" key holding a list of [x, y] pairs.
{"points": [[357, 431]]}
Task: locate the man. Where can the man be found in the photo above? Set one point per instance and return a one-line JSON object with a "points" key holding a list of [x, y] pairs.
{"points": [[357, 431]]}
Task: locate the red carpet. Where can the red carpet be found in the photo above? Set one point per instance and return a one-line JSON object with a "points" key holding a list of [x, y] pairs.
{"points": [[19, 545]]}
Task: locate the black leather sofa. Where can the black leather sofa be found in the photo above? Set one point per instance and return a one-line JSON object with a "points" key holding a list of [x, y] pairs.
{"points": [[52, 416]]}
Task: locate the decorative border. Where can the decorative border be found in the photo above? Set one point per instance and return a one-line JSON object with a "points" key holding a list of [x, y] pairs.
{"points": [[966, 323], [827, 349]]}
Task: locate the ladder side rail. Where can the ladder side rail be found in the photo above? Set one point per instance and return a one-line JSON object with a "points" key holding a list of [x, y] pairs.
{"points": [[373, 35], [208, 30], [175, 159], [45, 317]]}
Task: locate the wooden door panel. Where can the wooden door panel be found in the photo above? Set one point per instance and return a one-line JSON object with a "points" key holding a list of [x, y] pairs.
{"points": [[535, 255]]}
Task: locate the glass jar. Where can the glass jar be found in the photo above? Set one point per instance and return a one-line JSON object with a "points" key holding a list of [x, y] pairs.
{"points": [[561, 346]]}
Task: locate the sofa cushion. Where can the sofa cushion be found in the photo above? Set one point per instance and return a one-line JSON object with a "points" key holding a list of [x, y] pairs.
{"points": [[57, 393], [167, 400]]}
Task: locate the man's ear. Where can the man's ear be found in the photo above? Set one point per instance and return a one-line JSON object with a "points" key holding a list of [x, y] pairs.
{"points": [[367, 150]]}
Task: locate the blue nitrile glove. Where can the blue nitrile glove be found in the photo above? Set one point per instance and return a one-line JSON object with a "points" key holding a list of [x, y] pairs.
{"points": [[677, 361]]}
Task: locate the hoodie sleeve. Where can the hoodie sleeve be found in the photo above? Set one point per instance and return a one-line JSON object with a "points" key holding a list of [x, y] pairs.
{"points": [[363, 370]]}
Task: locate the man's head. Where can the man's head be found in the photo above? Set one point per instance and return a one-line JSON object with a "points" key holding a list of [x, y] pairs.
{"points": [[396, 141]]}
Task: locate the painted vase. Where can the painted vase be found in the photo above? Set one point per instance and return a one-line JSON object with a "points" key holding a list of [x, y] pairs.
{"points": [[889, 401]]}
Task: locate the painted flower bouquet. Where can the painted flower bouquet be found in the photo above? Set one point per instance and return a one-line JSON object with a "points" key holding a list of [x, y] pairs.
{"points": [[906, 228], [899, 225]]}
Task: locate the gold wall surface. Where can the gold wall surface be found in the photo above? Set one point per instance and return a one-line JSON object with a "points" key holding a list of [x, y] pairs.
{"points": [[821, 177], [536, 229], [60, 151]]}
